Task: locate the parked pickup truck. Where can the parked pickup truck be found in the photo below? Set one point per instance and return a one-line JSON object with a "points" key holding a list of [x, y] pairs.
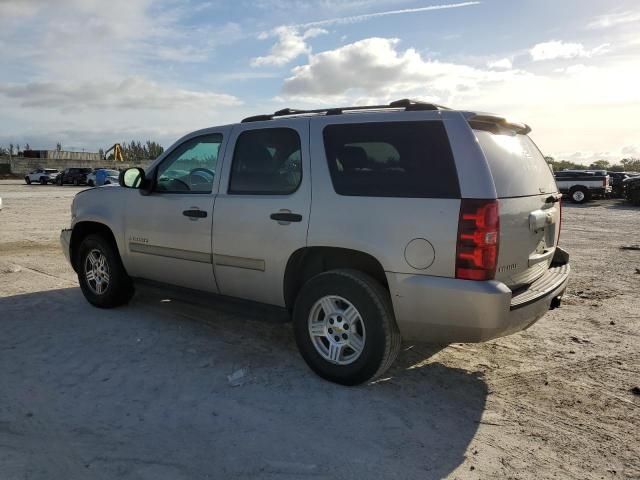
{"points": [[583, 185], [427, 224]]}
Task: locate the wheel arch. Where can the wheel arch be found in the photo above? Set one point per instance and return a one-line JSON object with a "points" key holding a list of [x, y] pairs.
{"points": [[307, 262], [81, 230]]}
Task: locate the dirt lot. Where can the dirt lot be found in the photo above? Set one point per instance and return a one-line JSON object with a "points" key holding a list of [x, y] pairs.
{"points": [[142, 392]]}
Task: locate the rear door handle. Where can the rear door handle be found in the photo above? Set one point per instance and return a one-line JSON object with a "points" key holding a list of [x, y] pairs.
{"points": [[286, 217], [195, 213]]}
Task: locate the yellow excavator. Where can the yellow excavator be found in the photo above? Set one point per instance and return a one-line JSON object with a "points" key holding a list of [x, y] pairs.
{"points": [[117, 153]]}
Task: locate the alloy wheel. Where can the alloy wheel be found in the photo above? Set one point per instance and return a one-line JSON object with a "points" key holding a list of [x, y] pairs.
{"points": [[96, 270], [337, 330]]}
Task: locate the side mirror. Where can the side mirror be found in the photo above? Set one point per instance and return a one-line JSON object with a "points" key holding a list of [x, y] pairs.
{"points": [[131, 177], [136, 178]]}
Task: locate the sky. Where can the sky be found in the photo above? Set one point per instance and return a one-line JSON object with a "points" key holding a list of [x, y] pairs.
{"points": [[88, 73]]}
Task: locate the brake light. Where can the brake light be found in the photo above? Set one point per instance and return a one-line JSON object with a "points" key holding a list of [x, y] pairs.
{"points": [[478, 239]]}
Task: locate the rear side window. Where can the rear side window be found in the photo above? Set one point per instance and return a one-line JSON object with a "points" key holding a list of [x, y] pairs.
{"points": [[391, 159], [266, 161], [517, 166]]}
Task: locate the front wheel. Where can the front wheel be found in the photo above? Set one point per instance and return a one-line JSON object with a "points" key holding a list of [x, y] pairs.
{"points": [[345, 328], [102, 277], [43, 181], [91, 183], [27, 180]]}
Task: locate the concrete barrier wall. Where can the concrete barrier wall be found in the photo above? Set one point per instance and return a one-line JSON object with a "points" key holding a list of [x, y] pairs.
{"points": [[21, 166]]}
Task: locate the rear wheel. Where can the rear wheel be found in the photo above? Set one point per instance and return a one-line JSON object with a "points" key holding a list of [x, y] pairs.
{"points": [[345, 327], [580, 195], [27, 180], [43, 181], [102, 277], [91, 183]]}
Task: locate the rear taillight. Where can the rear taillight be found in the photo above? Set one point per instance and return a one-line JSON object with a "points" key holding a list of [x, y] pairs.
{"points": [[478, 238]]}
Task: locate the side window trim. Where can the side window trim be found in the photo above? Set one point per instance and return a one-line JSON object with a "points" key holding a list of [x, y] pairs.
{"points": [[169, 157], [236, 135]]}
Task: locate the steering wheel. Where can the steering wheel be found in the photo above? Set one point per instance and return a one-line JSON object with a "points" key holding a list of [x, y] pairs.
{"points": [[205, 170]]}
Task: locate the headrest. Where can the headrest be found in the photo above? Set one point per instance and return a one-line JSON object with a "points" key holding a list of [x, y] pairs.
{"points": [[353, 158]]}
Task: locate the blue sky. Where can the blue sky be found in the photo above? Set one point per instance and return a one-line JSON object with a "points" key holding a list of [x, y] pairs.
{"points": [[88, 73]]}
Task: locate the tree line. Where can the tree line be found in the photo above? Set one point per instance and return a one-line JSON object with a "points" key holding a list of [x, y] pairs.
{"points": [[134, 150], [625, 165]]}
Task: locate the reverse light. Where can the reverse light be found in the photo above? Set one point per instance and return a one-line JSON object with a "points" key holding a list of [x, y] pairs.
{"points": [[478, 239]]}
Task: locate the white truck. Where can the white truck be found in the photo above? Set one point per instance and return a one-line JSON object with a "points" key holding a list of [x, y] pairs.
{"points": [[583, 185]]}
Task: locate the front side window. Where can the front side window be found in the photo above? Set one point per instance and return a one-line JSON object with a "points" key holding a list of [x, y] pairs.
{"points": [[266, 161], [391, 159], [191, 167]]}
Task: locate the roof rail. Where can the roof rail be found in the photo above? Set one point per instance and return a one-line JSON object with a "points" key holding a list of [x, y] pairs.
{"points": [[407, 104]]}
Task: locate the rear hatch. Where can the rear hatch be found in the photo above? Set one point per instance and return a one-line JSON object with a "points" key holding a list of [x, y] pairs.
{"points": [[528, 201]]}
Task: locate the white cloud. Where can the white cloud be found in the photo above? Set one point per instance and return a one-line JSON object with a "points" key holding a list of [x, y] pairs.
{"points": [[374, 67], [289, 46], [502, 64], [555, 49], [614, 19], [130, 93], [368, 16]]}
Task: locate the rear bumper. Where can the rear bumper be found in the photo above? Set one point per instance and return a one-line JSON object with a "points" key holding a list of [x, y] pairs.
{"points": [[446, 310], [65, 243]]}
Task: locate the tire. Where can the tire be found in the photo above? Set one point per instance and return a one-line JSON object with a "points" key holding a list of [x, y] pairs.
{"points": [[43, 181], [27, 180], [579, 195], [374, 326], [91, 183], [59, 181], [104, 258], [76, 182], [635, 197]]}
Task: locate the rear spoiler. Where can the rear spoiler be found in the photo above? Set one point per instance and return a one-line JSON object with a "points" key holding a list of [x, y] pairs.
{"points": [[490, 122]]}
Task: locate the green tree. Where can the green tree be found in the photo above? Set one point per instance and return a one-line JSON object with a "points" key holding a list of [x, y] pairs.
{"points": [[600, 165], [631, 164]]}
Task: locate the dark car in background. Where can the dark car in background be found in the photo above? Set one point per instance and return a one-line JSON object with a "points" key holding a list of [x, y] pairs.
{"points": [[631, 189], [74, 175], [617, 182]]}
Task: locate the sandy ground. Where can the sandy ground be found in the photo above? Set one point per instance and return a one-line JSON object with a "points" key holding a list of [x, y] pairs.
{"points": [[142, 392]]}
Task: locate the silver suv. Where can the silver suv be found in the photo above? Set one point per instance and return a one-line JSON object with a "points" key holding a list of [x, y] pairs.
{"points": [[368, 225]]}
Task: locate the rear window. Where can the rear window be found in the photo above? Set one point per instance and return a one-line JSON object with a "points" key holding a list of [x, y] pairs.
{"points": [[517, 166], [391, 159]]}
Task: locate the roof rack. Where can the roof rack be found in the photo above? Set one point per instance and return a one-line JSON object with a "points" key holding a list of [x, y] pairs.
{"points": [[407, 104]]}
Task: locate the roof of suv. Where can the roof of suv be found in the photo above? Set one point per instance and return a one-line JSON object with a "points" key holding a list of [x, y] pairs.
{"points": [[476, 119]]}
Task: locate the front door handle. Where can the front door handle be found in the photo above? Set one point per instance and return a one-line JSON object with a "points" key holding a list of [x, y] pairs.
{"points": [[286, 217], [195, 213]]}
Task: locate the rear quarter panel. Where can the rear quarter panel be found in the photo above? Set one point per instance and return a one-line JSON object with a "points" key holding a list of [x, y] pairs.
{"points": [[380, 226]]}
